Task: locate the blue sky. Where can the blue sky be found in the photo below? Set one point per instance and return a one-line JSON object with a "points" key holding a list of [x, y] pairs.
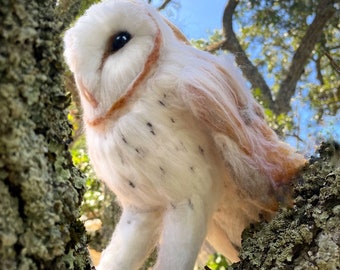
{"points": [[196, 18]]}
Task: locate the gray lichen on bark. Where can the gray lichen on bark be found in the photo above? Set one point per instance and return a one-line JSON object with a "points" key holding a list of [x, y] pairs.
{"points": [[40, 189], [306, 236]]}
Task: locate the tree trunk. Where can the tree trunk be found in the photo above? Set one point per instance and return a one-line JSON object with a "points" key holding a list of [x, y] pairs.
{"points": [[40, 189], [308, 235]]}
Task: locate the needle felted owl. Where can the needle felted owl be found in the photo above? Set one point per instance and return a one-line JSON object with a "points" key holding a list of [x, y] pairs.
{"points": [[175, 134]]}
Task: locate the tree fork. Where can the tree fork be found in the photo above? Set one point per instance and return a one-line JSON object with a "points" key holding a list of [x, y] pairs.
{"points": [[324, 12], [280, 103]]}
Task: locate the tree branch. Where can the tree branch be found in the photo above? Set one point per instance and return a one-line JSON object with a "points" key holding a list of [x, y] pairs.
{"points": [[215, 46], [333, 63], [232, 44], [318, 70], [165, 3], [324, 12]]}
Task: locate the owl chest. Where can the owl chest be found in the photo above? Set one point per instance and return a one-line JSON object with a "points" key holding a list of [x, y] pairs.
{"points": [[156, 152]]}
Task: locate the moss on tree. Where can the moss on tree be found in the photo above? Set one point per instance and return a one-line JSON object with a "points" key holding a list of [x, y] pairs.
{"points": [[40, 188], [306, 236]]}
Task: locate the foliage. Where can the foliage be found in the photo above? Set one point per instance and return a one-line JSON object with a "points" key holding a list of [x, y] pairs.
{"points": [[271, 31], [92, 203], [202, 44], [217, 262], [93, 198], [85, 4]]}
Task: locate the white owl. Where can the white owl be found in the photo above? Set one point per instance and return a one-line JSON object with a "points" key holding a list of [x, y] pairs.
{"points": [[175, 134]]}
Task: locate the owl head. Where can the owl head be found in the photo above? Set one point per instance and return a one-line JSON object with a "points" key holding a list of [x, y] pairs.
{"points": [[109, 47]]}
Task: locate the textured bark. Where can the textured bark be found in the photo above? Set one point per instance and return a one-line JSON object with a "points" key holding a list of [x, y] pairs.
{"points": [[110, 216], [40, 189], [308, 235]]}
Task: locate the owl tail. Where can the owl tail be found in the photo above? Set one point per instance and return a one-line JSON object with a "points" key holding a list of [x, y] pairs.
{"points": [[276, 159]]}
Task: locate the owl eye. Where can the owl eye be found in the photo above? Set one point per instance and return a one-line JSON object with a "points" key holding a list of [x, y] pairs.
{"points": [[119, 40]]}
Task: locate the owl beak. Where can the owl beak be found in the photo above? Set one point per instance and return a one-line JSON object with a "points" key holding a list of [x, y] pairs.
{"points": [[86, 94]]}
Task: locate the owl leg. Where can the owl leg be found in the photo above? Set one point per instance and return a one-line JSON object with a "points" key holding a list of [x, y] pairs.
{"points": [[184, 230], [135, 235]]}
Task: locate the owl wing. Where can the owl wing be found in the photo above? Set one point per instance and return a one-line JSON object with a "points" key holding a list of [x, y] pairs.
{"points": [[209, 107], [221, 103], [218, 96]]}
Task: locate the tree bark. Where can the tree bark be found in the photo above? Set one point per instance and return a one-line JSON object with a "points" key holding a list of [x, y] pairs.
{"points": [[40, 189], [306, 236]]}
